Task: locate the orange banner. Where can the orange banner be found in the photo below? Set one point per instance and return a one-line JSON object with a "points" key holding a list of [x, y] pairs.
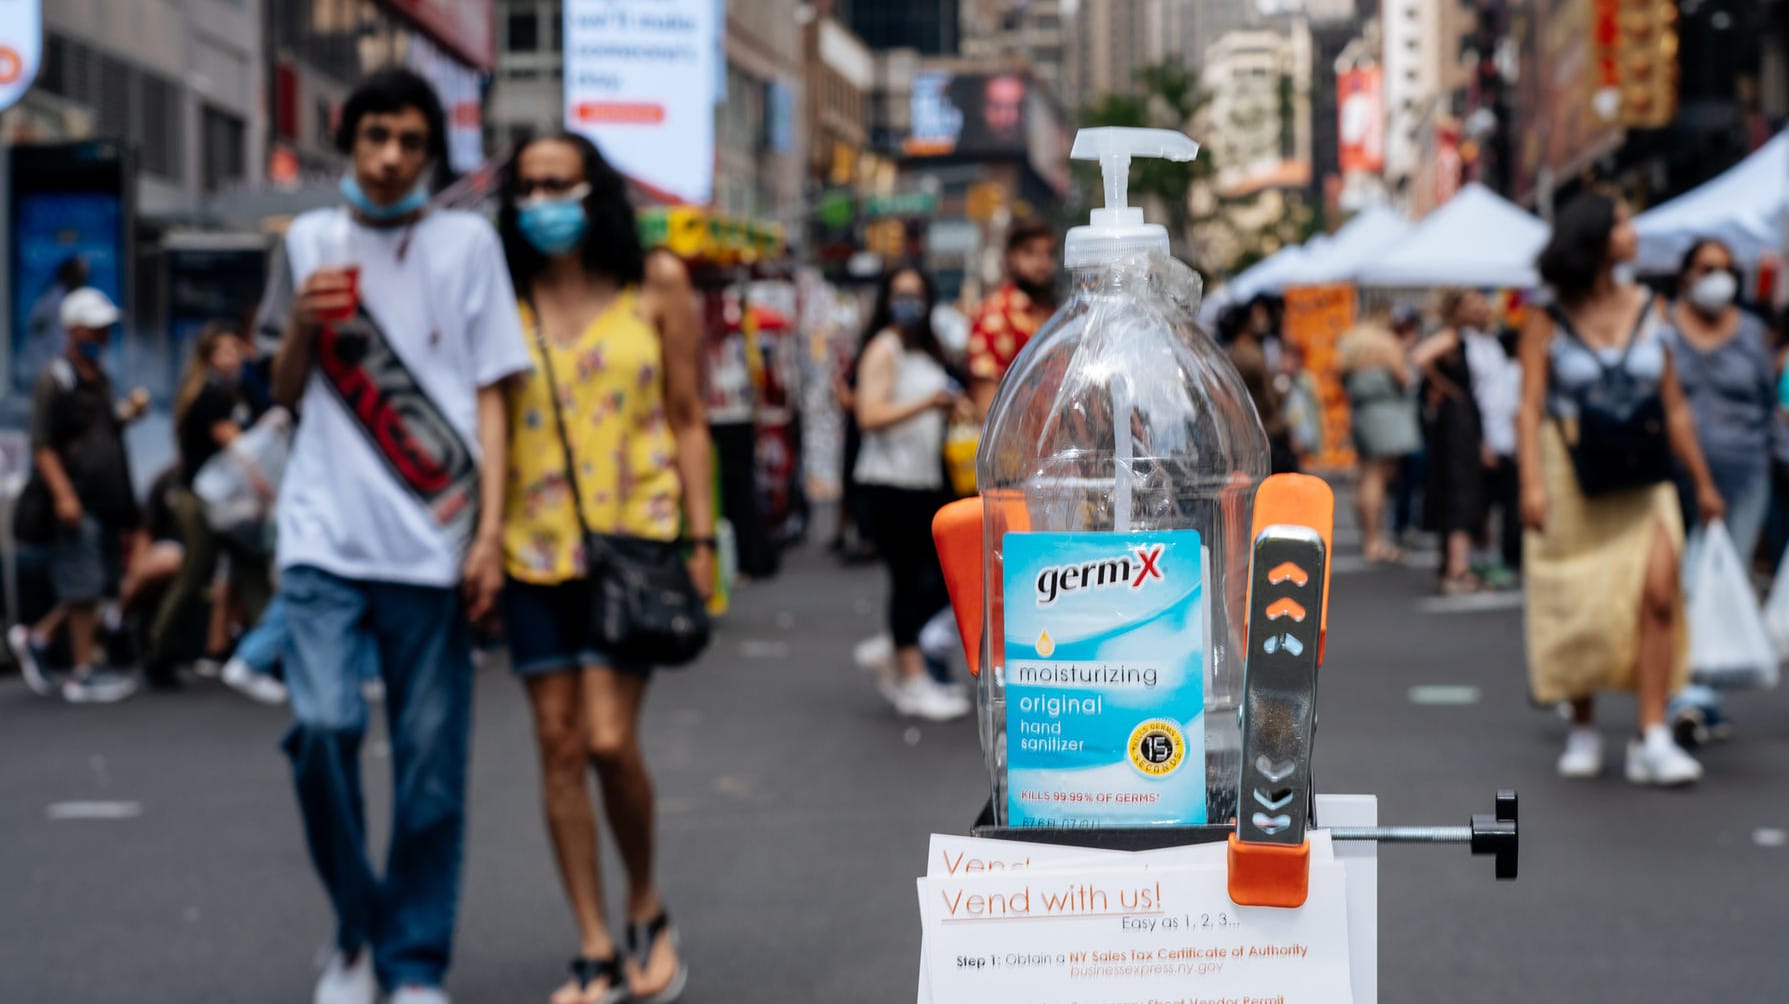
{"points": [[1316, 319]]}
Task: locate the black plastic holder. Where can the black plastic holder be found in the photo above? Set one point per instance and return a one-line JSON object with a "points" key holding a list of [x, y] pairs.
{"points": [[1495, 835]]}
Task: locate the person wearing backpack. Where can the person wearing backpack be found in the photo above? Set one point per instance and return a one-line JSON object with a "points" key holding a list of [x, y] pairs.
{"points": [[1602, 418]]}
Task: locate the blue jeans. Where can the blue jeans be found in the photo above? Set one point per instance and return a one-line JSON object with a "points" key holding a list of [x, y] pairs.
{"points": [[263, 646], [417, 639]]}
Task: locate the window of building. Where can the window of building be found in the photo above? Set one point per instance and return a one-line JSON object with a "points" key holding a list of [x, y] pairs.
{"points": [[52, 74], [556, 18], [522, 30], [158, 122], [223, 140], [112, 105]]}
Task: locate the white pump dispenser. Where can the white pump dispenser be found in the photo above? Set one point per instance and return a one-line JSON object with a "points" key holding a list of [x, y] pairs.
{"points": [[1118, 230]]}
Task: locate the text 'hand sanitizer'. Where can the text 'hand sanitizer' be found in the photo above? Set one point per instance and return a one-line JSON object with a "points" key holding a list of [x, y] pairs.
{"points": [[1117, 471]]}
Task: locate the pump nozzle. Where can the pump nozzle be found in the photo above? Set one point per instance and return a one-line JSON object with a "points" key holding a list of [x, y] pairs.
{"points": [[1118, 229], [1114, 146]]}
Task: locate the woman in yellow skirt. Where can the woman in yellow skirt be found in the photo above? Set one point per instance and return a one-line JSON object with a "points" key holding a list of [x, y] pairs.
{"points": [[1602, 417]]}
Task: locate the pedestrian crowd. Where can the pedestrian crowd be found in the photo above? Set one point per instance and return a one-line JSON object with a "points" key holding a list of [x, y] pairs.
{"points": [[436, 430], [454, 430], [1577, 440]]}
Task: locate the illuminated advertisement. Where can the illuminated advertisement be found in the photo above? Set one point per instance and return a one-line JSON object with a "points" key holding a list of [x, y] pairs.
{"points": [[21, 47], [68, 230], [640, 83], [972, 115]]}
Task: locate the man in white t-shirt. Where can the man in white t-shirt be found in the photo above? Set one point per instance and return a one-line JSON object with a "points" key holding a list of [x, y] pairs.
{"points": [[398, 332]]}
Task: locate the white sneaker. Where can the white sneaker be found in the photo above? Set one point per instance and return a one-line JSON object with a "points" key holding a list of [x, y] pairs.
{"points": [[1657, 759], [28, 656], [1583, 756], [419, 995], [923, 697], [875, 656], [98, 687], [348, 981], [253, 684], [207, 668]]}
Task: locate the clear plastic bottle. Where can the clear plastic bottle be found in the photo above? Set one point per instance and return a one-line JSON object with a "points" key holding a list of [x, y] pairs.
{"points": [[1121, 416]]}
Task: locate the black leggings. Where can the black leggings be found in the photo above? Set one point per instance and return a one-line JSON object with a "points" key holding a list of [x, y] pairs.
{"points": [[903, 526]]}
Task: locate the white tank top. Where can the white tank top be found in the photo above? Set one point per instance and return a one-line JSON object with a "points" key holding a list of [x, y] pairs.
{"points": [[908, 454]]}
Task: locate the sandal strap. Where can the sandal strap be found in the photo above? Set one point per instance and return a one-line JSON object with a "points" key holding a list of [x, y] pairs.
{"points": [[642, 936], [587, 970]]}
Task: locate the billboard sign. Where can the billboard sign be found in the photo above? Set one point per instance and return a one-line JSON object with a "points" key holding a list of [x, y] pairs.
{"points": [[1361, 126], [464, 26], [970, 114], [458, 88], [21, 47], [640, 83]]}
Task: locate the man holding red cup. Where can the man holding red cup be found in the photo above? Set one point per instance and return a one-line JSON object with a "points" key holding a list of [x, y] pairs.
{"points": [[398, 334]]}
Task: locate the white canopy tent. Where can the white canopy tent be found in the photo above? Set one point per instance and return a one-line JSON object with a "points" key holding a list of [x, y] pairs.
{"points": [[1265, 276], [1269, 275], [1746, 207], [1477, 238], [1360, 241]]}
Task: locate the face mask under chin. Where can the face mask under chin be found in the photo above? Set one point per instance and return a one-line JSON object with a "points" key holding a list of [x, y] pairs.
{"points": [[413, 201]]}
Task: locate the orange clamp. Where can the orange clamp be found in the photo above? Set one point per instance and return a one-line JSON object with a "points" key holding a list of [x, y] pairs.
{"points": [[957, 531], [1269, 874], [1300, 500]]}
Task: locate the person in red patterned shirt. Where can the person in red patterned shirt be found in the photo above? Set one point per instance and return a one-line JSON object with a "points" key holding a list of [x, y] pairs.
{"points": [[1010, 317]]}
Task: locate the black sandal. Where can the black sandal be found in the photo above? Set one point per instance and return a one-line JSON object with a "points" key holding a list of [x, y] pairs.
{"points": [[640, 939], [586, 970]]}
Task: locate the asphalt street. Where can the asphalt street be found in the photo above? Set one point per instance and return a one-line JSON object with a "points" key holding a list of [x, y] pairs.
{"points": [[150, 852]]}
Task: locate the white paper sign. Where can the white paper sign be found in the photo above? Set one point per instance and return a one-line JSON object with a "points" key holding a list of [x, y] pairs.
{"points": [[967, 857], [1127, 935], [21, 47], [640, 83]]}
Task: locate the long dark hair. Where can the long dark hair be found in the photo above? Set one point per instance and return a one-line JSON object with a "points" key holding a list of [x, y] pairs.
{"points": [[921, 337], [611, 245], [1578, 251]]}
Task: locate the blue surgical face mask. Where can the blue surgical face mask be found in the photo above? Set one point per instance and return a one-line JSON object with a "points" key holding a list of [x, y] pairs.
{"points": [[556, 226], [907, 311], [365, 206], [90, 349]]}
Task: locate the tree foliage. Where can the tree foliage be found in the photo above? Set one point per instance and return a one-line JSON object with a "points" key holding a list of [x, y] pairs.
{"points": [[1167, 96]]}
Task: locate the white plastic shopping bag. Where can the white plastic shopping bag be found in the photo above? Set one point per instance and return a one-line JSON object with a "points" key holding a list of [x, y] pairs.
{"points": [[237, 485], [1729, 646], [1776, 607]]}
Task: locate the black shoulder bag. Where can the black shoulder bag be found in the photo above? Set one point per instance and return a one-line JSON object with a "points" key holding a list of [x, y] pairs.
{"points": [[643, 604], [1622, 440]]}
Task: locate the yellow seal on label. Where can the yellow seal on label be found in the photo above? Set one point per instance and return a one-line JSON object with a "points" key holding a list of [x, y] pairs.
{"points": [[1157, 747], [1046, 646]]}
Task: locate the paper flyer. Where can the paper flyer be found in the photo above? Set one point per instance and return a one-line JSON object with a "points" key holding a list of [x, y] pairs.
{"points": [[1049, 936]]}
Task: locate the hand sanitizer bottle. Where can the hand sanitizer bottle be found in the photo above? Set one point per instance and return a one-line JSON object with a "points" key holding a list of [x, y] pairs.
{"points": [[1117, 472]]}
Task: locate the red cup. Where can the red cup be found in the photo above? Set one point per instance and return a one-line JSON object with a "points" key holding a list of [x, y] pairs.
{"points": [[352, 274]]}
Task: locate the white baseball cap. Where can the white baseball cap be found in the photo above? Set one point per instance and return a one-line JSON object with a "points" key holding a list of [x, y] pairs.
{"points": [[88, 308]]}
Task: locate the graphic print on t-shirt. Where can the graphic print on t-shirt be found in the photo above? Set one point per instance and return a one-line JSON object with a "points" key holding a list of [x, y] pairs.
{"points": [[406, 428]]}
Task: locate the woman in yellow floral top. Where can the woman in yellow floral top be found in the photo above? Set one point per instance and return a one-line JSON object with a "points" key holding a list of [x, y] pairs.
{"points": [[621, 333]]}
